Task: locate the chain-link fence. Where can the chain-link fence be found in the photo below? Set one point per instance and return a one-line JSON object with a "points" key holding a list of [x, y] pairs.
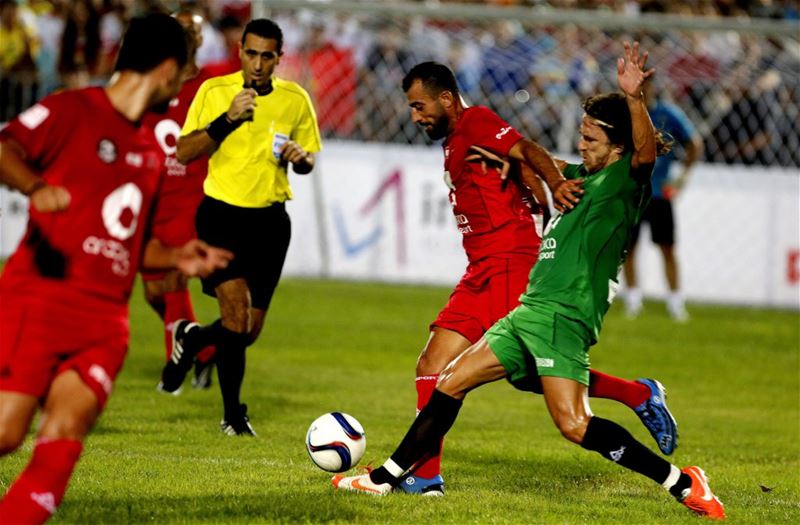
{"points": [[737, 80]]}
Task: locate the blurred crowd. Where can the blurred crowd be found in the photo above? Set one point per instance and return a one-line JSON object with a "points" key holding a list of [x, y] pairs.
{"points": [[742, 91]]}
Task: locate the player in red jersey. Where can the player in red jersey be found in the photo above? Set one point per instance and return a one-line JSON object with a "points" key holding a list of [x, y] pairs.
{"points": [[501, 243], [181, 191], [92, 174]]}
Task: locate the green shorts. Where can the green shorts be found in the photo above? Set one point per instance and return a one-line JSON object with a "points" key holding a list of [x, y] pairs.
{"points": [[530, 342]]}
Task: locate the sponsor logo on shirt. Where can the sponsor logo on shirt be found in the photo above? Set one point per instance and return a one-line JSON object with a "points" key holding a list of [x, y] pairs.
{"points": [[106, 151], [119, 255], [35, 115], [503, 131], [548, 248], [463, 224]]}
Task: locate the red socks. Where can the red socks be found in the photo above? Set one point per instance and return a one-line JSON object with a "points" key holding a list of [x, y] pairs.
{"points": [[425, 387], [627, 392], [38, 490], [177, 305]]}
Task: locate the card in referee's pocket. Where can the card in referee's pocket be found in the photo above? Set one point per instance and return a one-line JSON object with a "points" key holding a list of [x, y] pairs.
{"points": [[278, 140]]}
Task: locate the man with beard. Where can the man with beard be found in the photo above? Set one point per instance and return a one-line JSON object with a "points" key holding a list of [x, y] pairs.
{"points": [[92, 173], [546, 339], [501, 241]]}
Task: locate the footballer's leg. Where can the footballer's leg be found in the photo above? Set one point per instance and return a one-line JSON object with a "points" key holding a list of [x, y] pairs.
{"points": [[168, 294], [16, 413], [442, 347], [476, 366], [71, 409], [568, 404]]}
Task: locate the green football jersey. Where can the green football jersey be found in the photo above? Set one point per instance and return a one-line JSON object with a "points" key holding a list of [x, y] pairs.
{"points": [[583, 249]]}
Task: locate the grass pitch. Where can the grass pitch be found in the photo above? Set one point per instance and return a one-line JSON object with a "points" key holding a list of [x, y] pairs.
{"points": [[733, 377]]}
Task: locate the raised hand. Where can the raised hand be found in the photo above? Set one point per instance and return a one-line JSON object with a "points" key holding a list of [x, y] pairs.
{"points": [[630, 70]]}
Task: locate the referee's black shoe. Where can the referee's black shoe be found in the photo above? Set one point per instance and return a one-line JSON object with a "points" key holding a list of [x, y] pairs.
{"points": [[180, 359]]}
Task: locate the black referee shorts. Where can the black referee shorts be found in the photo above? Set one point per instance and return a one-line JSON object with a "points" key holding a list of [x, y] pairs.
{"points": [[662, 222], [258, 238]]}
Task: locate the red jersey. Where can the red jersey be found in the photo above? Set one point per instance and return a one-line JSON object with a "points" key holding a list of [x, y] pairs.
{"points": [[182, 186], [112, 169], [493, 215]]}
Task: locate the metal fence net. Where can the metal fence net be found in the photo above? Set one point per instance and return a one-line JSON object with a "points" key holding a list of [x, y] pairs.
{"points": [[741, 89]]}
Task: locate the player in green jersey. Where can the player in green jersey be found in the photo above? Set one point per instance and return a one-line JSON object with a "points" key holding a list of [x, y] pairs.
{"points": [[543, 344]]}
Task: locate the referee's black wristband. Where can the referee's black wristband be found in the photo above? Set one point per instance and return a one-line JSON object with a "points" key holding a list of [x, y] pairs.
{"points": [[221, 127]]}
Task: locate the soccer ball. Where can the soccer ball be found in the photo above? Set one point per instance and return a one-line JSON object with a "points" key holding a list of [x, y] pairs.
{"points": [[335, 442]]}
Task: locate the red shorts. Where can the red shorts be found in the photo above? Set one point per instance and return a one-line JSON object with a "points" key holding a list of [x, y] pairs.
{"points": [[173, 225], [39, 341], [489, 289]]}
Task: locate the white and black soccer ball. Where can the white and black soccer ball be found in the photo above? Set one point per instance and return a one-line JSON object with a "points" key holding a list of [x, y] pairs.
{"points": [[336, 442]]}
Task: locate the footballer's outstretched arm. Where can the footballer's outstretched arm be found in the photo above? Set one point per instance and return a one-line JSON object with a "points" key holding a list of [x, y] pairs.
{"points": [[194, 145], [566, 193], [17, 174], [194, 259], [630, 77]]}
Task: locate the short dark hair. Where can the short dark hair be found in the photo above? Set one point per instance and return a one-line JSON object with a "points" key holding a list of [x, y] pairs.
{"points": [[150, 40], [435, 77], [264, 28]]}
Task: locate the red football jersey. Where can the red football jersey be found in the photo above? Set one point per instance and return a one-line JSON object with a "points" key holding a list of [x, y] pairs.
{"points": [[91, 251], [182, 186], [491, 214]]}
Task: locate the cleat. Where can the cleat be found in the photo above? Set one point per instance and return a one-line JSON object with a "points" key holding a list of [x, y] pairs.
{"points": [[239, 426], [160, 388], [202, 374], [699, 497], [657, 418], [180, 359], [361, 483], [433, 487]]}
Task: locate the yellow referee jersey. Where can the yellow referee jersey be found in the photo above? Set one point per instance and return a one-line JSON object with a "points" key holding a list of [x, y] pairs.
{"points": [[245, 170]]}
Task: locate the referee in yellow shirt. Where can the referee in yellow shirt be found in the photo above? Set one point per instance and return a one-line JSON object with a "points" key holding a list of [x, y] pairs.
{"points": [[253, 125]]}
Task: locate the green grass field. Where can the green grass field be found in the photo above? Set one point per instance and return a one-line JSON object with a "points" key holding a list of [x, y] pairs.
{"points": [[733, 377]]}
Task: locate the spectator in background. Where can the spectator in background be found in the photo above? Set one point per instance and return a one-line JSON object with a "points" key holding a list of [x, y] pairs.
{"points": [[113, 17], [214, 49], [670, 119], [329, 73], [50, 21], [80, 45], [18, 50], [506, 63], [388, 60], [230, 29]]}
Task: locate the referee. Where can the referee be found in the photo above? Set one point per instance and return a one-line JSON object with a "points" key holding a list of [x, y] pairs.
{"points": [[253, 125]]}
